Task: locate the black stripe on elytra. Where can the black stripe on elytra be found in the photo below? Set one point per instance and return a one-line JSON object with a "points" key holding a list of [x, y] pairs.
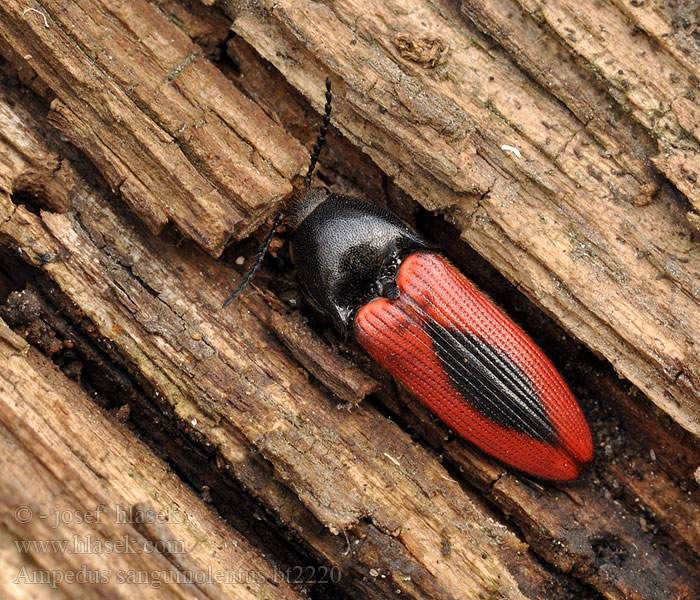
{"points": [[491, 383]]}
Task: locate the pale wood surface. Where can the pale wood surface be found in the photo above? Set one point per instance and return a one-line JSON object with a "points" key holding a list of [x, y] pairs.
{"points": [[589, 221], [167, 130]]}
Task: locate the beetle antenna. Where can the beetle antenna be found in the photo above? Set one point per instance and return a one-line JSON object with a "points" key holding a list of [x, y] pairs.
{"points": [[321, 138], [257, 262]]}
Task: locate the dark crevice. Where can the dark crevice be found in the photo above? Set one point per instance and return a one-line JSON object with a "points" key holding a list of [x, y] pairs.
{"points": [[32, 201], [226, 59], [15, 273]]}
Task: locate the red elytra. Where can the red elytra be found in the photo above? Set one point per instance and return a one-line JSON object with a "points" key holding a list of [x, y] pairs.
{"points": [[457, 352]]}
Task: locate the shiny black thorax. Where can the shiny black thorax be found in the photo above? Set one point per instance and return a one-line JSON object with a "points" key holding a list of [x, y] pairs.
{"points": [[347, 252]]}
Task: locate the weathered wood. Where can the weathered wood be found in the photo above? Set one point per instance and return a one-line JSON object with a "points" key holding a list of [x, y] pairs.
{"points": [[339, 376], [350, 487], [158, 304], [128, 525], [150, 339], [243, 395], [641, 53], [574, 219], [30, 165], [164, 126]]}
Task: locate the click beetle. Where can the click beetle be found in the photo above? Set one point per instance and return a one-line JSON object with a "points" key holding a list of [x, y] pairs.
{"points": [[378, 279]]}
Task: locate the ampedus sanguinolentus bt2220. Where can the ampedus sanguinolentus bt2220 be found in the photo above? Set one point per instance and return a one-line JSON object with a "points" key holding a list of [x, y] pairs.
{"points": [[378, 279]]}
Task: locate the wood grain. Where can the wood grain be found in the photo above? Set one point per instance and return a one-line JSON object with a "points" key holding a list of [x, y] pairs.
{"points": [[430, 105], [167, 130], [129, 525], [575, 220]]}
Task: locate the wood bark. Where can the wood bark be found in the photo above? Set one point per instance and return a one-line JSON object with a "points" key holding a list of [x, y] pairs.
{"points": [[141, 525], [558, 140], [168, 131]]}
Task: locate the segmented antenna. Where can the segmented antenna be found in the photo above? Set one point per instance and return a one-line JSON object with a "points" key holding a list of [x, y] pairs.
{"points": [[257, 262], [320, 140]]}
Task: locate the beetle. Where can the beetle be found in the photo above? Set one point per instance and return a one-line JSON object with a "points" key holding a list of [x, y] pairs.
{"points": [[376, 278]]}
